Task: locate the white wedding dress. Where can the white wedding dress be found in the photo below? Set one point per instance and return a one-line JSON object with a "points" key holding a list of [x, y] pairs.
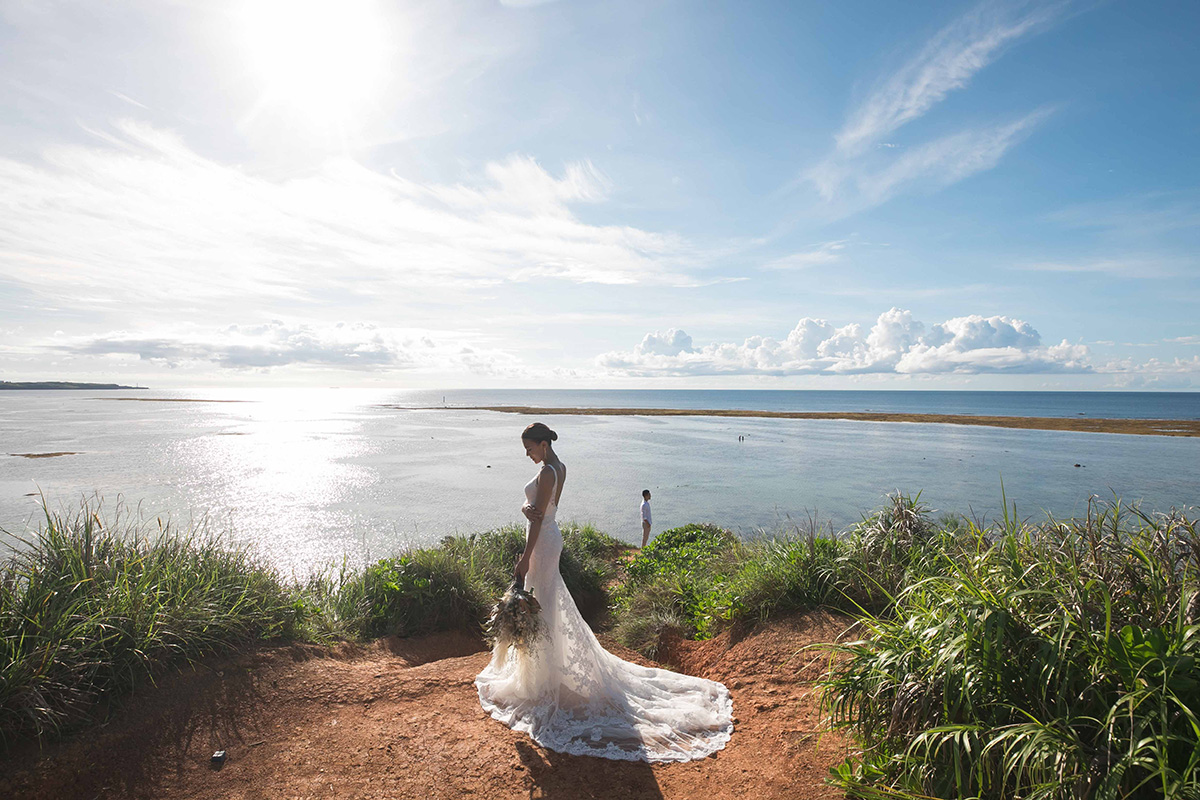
{"points": [[571, 695]]}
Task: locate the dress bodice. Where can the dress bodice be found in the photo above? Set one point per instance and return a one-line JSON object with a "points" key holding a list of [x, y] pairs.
{"points": [[531, 493]]}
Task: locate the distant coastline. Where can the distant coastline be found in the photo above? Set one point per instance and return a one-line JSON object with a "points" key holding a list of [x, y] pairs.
{"points": [[63, 385], [1140, 427]]}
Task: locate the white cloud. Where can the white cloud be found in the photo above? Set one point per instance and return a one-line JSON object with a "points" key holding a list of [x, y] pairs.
{"points": [[863, 170], [896, 343], [1155, 373], [671, 343], [940, 163], [947, 63], [141, 219], [825, 253], [1133, 267], [350, 346]]}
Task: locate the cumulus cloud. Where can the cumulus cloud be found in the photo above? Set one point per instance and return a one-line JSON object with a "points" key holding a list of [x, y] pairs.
{"points": [[671, 343], [352, 346], [895, 343], [1155, 373]]}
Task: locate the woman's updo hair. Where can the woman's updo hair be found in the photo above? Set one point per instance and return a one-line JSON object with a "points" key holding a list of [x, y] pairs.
{"points": [[538, 432]]}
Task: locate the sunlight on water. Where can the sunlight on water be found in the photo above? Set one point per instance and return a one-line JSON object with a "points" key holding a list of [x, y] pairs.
{"points": [[308, 476]]}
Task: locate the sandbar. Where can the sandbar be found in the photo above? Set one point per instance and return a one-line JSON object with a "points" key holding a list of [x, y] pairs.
{"points": [[1138, 427], [170, 400], [41, 455]]}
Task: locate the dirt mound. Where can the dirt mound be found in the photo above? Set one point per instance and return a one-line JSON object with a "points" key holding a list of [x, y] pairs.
{"points": [[400, 718]]}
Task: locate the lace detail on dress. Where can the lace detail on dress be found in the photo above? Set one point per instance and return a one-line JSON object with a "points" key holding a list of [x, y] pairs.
{"points": [[573, 696]]}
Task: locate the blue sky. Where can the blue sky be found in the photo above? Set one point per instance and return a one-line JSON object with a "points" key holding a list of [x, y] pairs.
{"points": [[794, 195]]}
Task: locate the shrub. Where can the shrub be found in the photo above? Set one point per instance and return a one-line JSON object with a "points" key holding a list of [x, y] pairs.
{"points": [[686, 549], [420, 592], [680, 580]]}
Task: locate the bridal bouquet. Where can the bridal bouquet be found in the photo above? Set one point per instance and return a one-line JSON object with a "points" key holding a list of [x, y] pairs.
{"points": [[515, 620]]}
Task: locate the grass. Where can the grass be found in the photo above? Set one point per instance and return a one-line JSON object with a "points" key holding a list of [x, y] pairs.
{"points": [[92, 604], [1056, 659], [1051, 660], [676, 582], [91, 608]]}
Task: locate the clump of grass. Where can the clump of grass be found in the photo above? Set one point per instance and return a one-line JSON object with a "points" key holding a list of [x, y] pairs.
{"points": [[786, 573], [680, 580], [890, 549], [587, 566], [420, 592], [89, 608], [1057, 660]]}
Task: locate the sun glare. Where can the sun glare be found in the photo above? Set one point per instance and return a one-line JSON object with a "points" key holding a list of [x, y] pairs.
{"points": [[322, 58]]}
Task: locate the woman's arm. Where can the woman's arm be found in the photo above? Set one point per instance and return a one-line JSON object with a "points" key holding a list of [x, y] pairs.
{"points": [[545, 488]]}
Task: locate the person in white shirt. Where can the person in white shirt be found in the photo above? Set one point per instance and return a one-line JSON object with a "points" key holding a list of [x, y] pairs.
{"points": [[645, 516]]}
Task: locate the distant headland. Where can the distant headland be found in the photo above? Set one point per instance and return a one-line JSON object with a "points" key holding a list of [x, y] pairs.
{"points": [[63, 385]]}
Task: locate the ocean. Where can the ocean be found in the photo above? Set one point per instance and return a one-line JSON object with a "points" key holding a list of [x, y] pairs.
{"points": [[309, 476]]}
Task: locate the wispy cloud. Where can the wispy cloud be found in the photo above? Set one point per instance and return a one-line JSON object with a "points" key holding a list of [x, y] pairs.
{"points": [[1140, 216], [937, 164], [896, 343], [947, 62], [863, 170], [824, 253], [142, 219], [1154, 373], [1121, 268]]}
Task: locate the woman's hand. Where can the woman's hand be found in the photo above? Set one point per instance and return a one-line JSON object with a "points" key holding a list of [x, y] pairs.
{"points": [[522, 568], [531, 513]]}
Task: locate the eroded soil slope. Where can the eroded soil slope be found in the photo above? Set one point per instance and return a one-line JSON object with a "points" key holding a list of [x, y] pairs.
{"points": [[400, 719]]}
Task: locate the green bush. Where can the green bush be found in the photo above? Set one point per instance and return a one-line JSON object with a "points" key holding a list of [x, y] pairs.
{"points": [[421, 592], [680, 580], [687, 549]]}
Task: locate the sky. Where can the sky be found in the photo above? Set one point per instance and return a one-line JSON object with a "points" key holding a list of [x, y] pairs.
{"points": [[484, 193]]}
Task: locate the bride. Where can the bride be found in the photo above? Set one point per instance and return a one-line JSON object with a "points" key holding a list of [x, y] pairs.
{"points": [[569, 693]]}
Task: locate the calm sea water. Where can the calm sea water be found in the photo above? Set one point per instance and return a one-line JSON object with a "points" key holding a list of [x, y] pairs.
{"points": [[308, 476]]}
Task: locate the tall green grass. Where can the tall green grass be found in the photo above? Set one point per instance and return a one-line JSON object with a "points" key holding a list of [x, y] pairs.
{"points": [[93, 603], [90, 608], [1056, 660], [1051, 660]]}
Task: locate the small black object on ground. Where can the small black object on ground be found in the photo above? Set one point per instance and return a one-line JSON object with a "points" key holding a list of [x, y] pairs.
{"points": [[218, 759]]}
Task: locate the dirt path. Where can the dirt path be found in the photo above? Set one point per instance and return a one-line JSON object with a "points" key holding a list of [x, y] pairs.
{"points": [[400, 719]]}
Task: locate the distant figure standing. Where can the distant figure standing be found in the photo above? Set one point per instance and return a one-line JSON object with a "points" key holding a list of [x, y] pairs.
{"points": [[645, 516]]}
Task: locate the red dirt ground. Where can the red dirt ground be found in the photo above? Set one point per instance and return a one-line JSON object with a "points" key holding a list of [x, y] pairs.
{"points": [[400, 719]]}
